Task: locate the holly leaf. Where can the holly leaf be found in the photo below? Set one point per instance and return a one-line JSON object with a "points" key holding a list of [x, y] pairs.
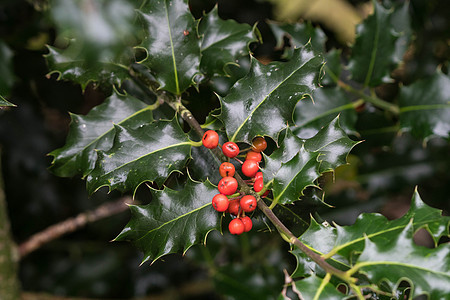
{"points": [[289, 147], [223, 42], [103, 29], [333, 144], [425, 107], [333, 68], [4, 102], [299, 34], [150, 152], [171, 43], [262, 102], [298, 163], [374, 53], [173, 221], [69, 64], [342, 244], [6, 72], [95, 131], [399, 258], [314, 287], [328, 103]]}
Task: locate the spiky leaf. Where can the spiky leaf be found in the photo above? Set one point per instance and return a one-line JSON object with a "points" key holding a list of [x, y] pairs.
{"points": [[299, 34], [425, 107], [333, 67], [328, 103], [4, 102], [173, 221], [374, 52], [314, 287], [298, 163], [262, 102], [150, 152], [333, 145], [223, 42], [103, 29], [69, 64], [399, 258], [342, 243], [95, 131], [171, 42]]}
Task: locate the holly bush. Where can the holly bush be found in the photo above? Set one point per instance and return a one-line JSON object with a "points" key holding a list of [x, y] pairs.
{"points": [[172, 73]]}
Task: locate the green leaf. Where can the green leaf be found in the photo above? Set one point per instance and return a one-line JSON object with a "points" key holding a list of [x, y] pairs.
{"points": [[69, 64], [425, 107], [173, 221], [373, 55], [333, 145], [294, 176], [333, 67], [328, 103], [223, 42], [314, 287], [6, 71], [95, 131], [343, 243], [262, 103], [171, 42], [401, 23], [399, 258], [150, 152], [104, 29], [289, 147], [4, 102], [299, 34], [298, 163]]}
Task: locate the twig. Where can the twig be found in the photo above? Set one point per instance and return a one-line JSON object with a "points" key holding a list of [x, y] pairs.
{"points": [[70, 225]]}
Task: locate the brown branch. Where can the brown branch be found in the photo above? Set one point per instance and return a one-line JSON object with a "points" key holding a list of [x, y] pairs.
{"points": [[70, 225]]}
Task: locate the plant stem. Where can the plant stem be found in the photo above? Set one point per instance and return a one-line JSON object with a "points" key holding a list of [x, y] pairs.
{"points": [[187, 116], [374, 100]]}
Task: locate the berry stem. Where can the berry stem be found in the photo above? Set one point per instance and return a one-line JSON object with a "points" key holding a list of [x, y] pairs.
{"points": [[187, 116]]}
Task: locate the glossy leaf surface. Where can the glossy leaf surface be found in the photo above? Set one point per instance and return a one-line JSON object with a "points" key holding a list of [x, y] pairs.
{"points": [[328, 102], [223, 42], [333, 144], [343, 242], [103, 29], [373, 55], [298, 163], [313, 287], [262, 102], [171, 42], [95, 131], [299, 34], [425, 107], [173, 221], [150, 152], [4, 102], [70, 65], [399, 258]]}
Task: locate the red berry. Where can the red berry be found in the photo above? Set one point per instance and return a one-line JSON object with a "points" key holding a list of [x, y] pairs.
{"points": [[253, 156], [248, 203], [236, 226], [233, 207], [228, 185], [227, 169], [259, 175], [230, 149], [259, 144], [265, 194], [210, 139], [258, 185], [250, 168], [220, 202], [248, 224]]}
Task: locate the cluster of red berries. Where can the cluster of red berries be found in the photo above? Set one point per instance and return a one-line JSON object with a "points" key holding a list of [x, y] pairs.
{"points": [[241, 204]]}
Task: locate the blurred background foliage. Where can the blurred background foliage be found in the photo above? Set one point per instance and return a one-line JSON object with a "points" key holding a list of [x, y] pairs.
{"points": [[381, 176]]}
